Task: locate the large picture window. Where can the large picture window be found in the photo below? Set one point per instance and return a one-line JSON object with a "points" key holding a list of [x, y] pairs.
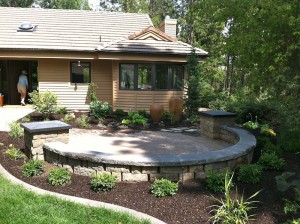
{"points": [[80, 72], [151, 76]]}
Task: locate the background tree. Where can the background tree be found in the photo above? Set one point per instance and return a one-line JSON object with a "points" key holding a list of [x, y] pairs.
{"points": [[192, 101], [65, 4], [16, 3]]}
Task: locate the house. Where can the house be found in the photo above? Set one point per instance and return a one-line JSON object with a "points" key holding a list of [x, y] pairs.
{"points": [[132, 63]]}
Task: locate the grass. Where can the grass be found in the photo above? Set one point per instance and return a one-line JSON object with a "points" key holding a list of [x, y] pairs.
{"points": [[18, 205]]}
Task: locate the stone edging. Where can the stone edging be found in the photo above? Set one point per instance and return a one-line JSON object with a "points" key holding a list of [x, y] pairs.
{"points": [[84, 201], [245, 142]]}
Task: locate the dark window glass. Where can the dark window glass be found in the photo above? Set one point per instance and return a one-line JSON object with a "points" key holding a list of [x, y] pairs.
{"points": [[177, 76], [151, 76], [127, 76], [144, 77], [161, 77], [80, 72]]}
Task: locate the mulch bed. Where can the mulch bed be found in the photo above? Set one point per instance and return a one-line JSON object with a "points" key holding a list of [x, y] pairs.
{"points": [[189, 205]]}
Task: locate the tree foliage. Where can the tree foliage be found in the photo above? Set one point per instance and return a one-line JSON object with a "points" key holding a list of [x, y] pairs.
{"points": [[16, 3], [192, 100], [65, 4]]}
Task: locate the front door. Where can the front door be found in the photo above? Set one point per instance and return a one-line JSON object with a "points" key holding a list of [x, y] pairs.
{"points": [[9, 76]]}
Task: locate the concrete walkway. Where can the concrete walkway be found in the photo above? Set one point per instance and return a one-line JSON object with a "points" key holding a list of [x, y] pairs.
{"points": [[9, 114]]}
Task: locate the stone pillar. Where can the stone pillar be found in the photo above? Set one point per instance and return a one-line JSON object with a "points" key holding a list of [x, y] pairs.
{"points": [[211, 122], [38, 133]]}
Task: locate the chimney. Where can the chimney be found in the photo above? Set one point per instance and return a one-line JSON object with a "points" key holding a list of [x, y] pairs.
{"points": [[168, 26]]}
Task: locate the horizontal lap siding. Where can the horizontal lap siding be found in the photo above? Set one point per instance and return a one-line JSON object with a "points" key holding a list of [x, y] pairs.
{"points": [[102, 77], [136, 100], [54, 75]]}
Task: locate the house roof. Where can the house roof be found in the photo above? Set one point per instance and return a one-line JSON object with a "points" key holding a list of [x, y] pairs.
{"points": [[77, 30], [150, 41]]}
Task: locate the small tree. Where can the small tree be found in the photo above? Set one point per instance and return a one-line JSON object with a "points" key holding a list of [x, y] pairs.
{"points": [[46, 103], [91, 94], [192, 100]]}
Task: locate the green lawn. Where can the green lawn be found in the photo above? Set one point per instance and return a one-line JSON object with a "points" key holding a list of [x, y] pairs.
{"points": [[18, 205]]}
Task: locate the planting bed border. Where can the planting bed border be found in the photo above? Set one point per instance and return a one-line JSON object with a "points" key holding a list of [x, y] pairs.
{"points": [[172, 167]]}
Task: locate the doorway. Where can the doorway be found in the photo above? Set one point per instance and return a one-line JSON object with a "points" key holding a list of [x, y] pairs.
{"points": [[9, 76]]}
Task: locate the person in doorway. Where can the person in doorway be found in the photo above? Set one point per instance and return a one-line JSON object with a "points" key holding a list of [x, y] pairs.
{"points": [[23, 86]]}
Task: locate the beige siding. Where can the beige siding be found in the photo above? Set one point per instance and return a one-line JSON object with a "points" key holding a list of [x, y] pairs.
{"points": [[54, 75], [102, 77], [136, 100]]}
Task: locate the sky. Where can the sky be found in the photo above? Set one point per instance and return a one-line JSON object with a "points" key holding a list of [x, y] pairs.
{"points": [[94, 3]]}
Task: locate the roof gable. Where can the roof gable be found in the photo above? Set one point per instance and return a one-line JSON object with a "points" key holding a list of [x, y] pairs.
{"points": [[151, 33]]}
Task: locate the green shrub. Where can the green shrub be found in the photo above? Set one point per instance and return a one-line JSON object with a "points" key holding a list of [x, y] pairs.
{"points": [[62, 110], [290, 206], [251, 125], [68, 117], [271, 161], [135, 118], [250, 174], [45, 103], [82, 121], [269, 147], [103, 182], [166, 115], [14, 153], [232, 210], [33, 168], [248, 108], [15, 130], [120, 112], [26, 119], [163, 187], [215, 181], [99, 109], [288, 138], [294, 221], [59, 176], [283, 184], [143, 113], [193, 118]]}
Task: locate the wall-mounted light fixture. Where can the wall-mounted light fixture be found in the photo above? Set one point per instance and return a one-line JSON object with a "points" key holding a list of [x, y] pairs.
{"points": [[78, 64]]}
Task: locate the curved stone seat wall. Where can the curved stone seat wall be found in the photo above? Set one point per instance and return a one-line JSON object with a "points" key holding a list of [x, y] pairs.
{"points": [[175, 168]]}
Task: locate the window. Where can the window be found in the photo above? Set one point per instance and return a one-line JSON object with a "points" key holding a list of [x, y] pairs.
{"points": [[127, 76], [161, 78], [80, 72], [151, 76], [144, 77], [176, 77]]}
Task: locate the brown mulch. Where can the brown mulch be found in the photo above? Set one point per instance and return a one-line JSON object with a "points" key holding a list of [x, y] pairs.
{"points": [[189, 205]]}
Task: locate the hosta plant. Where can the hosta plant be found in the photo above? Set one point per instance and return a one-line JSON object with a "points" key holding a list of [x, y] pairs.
{"points": [[163, 187], [103, 182], [33, 168], [59, 176]]}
